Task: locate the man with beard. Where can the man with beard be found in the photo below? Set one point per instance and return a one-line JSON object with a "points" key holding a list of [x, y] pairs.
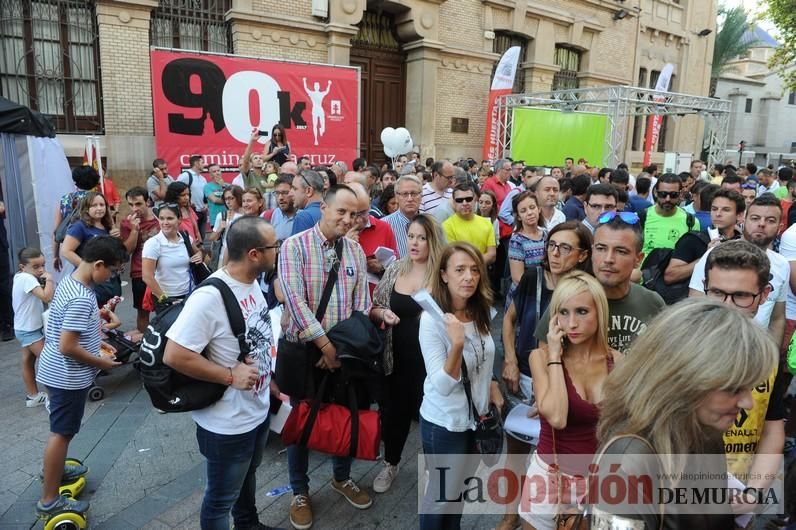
{"points": [[284, 214], [760, 228], [665, 221], [233, 431], [616, 253]]}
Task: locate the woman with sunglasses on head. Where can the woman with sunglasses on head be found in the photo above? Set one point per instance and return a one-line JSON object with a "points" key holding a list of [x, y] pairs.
{"points": [[166, 261], [394, 307], [568, 379], [179, 194], [458, 344], [278, 148], [233, 199]]}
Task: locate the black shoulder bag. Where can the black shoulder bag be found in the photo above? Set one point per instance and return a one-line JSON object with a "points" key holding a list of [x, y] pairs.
{"points": [[295, 359], [488, 428], [199, 271]]}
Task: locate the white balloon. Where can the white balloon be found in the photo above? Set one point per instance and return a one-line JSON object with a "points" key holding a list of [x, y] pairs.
{"points": [[402, 140], [386, 134], [389, 151]]}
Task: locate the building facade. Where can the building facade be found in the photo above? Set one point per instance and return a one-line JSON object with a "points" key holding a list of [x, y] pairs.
{"points": [[426, 64], [763, 112]]}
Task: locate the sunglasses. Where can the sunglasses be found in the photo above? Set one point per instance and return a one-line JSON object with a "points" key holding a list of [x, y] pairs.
{"points": [[630, 218], [669, 194], [460, 200], [749, 186]]}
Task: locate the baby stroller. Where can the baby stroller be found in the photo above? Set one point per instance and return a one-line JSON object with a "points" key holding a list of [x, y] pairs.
{"points": [[125, 344]]}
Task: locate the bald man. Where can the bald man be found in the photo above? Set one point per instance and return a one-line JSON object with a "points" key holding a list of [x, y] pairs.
{"points": [[371, 233], [290, 168]]}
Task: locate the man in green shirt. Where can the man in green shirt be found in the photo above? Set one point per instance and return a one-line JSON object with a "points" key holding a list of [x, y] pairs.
{"points": [[664, 221]]}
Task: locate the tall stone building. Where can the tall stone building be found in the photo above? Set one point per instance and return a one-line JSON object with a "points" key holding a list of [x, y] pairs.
{"points": [[426, 64]]}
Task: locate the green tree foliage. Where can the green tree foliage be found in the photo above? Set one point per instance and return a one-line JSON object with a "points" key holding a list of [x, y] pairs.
{"points": [[783, 14], [729, 42]]}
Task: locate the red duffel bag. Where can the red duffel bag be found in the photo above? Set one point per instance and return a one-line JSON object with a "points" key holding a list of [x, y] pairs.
{"points": [[334, 429]]}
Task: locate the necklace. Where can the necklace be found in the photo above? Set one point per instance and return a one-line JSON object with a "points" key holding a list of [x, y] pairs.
{"points": [[478, 361]]}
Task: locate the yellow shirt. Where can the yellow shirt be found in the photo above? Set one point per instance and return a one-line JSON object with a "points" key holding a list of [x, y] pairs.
{"points": [[477, 231]]}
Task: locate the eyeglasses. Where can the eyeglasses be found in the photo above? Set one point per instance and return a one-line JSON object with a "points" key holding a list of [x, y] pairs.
{"points": [[563, 249], [602, 207], [630, 218], [266, 247], [411, 194], [307, 182], [278, 193], [363, 214], [669, 194], [749, 186], [447, 177], [740, 299], [460, 200]]}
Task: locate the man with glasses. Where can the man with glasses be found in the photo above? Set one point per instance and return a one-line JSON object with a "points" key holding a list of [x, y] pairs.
{"points": [[465, 225], [408, 191], [372, 234], [233, 431], [760, 228], [616, 253], [737, 273], [306, 191], [305, 261], [664, 222], [437, 193], [284, 215], [600, 198]]}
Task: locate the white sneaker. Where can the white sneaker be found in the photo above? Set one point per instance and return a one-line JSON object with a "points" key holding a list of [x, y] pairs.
{"points": [[35, 401], [384, 479]]}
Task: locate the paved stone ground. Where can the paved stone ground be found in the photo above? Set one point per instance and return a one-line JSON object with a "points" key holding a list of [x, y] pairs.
{"points": [[146, 470]]}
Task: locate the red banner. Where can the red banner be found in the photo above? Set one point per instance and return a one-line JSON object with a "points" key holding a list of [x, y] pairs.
{"points": [[208, 105]]}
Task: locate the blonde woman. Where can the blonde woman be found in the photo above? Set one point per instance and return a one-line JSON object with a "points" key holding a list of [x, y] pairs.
{"points": [[394, 306], [676, 394], [568, 380]]}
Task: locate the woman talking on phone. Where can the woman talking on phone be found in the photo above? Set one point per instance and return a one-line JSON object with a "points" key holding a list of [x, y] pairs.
{"points": [[568, 380]]}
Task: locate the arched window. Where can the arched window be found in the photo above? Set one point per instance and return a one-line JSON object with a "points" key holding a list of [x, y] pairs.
{"points": [[503, 41], [49, 56], [191, 25]]}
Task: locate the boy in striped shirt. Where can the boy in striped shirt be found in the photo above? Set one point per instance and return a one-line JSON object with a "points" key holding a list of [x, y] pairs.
{"points": [[69, 363]]}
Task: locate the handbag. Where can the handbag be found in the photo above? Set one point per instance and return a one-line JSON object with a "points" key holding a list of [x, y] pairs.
{"points": [[199, 271], [218, 244], [293, 374], [582, 520], [488, 428], [334, 429]]}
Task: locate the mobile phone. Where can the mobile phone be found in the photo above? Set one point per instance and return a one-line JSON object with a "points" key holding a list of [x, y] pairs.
{"points": [[263, 133]]}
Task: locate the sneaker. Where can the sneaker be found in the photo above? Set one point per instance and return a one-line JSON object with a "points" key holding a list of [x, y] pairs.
{"points": [[73, 472], [384, 479], [60, 504], [356, 497], [301, 512], [35, 401]]}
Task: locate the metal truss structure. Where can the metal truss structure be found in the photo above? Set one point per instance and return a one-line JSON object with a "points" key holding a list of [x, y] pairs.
{"points": [[620, 104]]}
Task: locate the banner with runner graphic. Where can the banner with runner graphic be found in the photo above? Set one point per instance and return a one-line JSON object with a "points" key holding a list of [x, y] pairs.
{"points": [[208, 104]]}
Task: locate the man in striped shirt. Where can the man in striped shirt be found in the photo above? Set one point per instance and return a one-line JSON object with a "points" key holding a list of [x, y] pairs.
{"points": [[69, 363], [408, 191], [437, 193], [304, 265]]}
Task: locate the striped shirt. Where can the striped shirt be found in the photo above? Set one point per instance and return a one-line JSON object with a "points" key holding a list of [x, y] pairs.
{"points": [[74, 308], [304, 262], [432, 199], [399, 223]]}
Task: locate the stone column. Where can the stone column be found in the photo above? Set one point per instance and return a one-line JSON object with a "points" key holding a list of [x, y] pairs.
{"points": [[421, 87]]}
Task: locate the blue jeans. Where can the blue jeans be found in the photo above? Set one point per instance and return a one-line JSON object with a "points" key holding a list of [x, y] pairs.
{"points": [[446, 474], [232, 461], [298, 462]]}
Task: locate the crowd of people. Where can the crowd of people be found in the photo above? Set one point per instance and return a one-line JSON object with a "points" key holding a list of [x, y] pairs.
{"points": [[649, 313]]}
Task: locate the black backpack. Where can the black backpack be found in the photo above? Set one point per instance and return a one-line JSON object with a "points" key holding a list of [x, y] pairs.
{"points": [[69, 220], [169, 390], [655, 264]]}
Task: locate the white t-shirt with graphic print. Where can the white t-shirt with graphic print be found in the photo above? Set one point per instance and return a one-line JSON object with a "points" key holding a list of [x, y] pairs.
{"points": [[203, 324]]}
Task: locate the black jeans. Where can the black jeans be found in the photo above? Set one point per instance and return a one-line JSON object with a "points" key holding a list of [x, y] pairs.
{"points": [[402, 403]]}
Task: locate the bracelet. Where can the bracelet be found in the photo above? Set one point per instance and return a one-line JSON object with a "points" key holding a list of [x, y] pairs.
{"points": [[555, 362], [325, 345], [230, 378]]}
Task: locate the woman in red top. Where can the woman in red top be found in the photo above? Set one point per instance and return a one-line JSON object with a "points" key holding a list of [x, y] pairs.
{"points": [[568, 379]]}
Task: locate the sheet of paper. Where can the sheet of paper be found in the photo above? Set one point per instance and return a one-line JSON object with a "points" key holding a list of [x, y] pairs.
{"points": [[424, 300], [278, 420], [385, 256], [519, 425], [733, 483]]}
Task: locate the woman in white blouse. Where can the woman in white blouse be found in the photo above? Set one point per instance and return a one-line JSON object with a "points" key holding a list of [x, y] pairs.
{"points": [[447, 424]]}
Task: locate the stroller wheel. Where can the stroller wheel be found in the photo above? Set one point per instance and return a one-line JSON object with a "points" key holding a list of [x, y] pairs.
{"points": [[96, 393]]}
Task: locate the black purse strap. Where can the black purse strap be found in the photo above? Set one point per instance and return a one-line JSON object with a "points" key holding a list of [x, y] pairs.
{"points": [[467, 390], [330, 281], [234, 314], [187, 240], [316, 406]]}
